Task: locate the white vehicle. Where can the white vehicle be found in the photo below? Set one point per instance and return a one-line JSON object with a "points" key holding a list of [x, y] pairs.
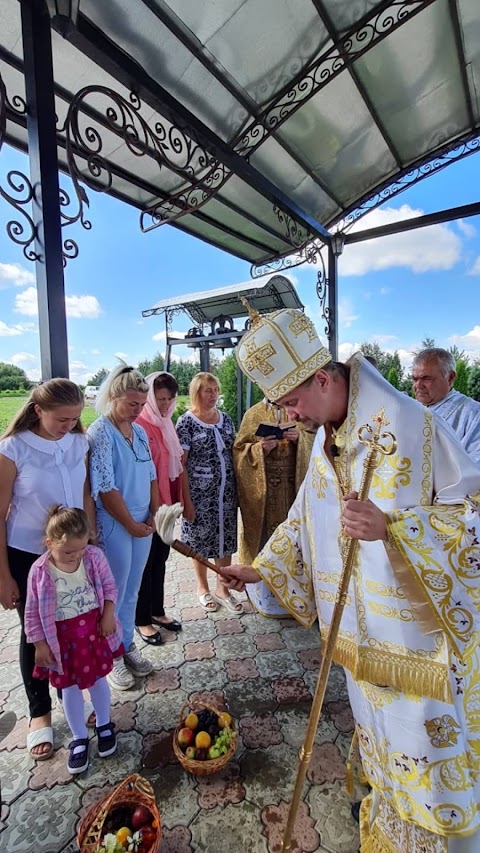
{"points": [[91, 392]]}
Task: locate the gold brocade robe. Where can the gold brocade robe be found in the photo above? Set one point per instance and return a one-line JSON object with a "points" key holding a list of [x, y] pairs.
{"points": [[266, 483], [410, 632]]}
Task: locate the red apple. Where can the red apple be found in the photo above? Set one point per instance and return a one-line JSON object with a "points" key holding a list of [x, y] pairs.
{"points": [[140, 817], [148, 836], [185, 737]]}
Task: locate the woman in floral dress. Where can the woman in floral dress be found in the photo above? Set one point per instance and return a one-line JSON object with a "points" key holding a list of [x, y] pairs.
{"points": [[209, 523]]}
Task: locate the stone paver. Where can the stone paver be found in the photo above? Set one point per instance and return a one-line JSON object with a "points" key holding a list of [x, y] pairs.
{"points": [[264, 671]]}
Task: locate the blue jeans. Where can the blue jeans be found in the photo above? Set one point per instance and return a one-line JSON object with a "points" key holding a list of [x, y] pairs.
{"points": [[127, 556]]}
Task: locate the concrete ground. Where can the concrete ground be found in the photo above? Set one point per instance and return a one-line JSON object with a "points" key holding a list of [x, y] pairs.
{"points": [[265, 671]]}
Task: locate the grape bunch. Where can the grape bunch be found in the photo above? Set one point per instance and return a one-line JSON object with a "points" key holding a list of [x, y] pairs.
{"points": [[221, 744], [207, 719]]}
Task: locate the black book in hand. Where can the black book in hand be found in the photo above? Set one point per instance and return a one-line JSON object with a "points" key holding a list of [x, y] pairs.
{"points": [[265, 430]]}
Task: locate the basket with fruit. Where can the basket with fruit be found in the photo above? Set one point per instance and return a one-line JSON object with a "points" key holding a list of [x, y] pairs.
{"points": [[205, 740], [126, 820]]}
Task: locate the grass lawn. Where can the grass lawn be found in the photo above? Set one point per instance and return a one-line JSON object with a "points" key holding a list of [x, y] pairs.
{"points": [[10, 405]]}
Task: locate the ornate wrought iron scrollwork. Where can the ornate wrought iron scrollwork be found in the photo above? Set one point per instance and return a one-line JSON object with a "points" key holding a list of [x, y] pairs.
{"points": [[308, 253], [21, 192], [171, 147], [21, 231], [294, 232], [379, 196], [310, 80], [321, 288], [170, 313], [70, 246]]}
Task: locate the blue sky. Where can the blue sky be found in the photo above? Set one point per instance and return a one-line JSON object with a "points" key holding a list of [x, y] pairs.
{"points": [[396, 290]]}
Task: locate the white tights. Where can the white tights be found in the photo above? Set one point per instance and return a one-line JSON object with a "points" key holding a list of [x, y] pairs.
{"points": [[73, 702]]}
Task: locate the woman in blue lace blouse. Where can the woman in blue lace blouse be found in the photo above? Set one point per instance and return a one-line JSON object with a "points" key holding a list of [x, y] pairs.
{"points": [[124, 487]]}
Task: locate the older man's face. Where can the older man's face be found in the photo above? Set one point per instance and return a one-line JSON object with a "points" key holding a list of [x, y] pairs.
{"points": [[429, 384]]}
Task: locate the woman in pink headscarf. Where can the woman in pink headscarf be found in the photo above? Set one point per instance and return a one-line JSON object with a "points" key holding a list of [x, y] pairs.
{"points": [[156, 420]]}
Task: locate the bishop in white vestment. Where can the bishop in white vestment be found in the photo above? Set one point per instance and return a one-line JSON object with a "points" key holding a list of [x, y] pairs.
{"points": [[410, 634]]}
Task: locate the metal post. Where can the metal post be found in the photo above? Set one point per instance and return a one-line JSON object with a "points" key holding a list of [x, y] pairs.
{"points": [[42, 148], [168, 356], [239, 396], [332, 302], [204, 358], [248, 401]]}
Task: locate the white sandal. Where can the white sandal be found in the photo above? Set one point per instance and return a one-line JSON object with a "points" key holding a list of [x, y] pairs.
{"points": [[37, 738], [230, 603], [208, 602]]}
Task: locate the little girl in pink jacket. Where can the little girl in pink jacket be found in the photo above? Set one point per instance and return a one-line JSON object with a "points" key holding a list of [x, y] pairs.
{"points": [[70, 618]]}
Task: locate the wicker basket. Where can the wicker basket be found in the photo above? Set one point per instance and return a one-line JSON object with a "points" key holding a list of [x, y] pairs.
{"points": [[133, 791], [211, 765]]}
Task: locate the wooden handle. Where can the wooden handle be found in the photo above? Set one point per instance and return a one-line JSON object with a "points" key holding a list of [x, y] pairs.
{"points": [[184, 549]]}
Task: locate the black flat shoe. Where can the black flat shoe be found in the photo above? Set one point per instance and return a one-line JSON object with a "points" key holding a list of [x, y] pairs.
{"points": [[153, 640], [169, 626]]}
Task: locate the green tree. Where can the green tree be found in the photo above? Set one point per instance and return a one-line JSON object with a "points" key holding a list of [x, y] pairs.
{"points": [[474, 382], [459, 354], [157, 363], [392, 377], [226, 373], [461, 379], [98, 377], [13, 378], [385, 360], [183, 371]]}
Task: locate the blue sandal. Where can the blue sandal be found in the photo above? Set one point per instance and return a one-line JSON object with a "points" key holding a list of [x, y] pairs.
{"points": [[78, 756]]}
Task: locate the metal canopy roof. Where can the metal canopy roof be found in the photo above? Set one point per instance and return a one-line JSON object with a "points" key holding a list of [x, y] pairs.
{"points": [[277, 292], [255, 125]]}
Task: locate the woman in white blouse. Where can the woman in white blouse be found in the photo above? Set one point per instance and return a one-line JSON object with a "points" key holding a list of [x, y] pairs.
{"points": [[43, 456]]}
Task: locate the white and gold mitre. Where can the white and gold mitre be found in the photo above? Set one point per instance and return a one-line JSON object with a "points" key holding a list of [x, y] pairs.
{"points": [[280, 351]]}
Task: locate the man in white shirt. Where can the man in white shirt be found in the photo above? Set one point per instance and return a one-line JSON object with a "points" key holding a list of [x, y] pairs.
{"points": [[433, 375]]}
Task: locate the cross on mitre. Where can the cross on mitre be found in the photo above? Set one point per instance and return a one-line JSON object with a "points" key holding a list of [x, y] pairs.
{"points": [[257, 357], [303, 324]]}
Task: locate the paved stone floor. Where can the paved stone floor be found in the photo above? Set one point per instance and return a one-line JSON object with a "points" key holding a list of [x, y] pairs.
{"points": [[265, 670]]}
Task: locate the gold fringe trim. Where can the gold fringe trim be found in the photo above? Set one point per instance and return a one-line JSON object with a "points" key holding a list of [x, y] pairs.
{"points": [[408, 674], [372, 839], [353, 758], [377, 842]]}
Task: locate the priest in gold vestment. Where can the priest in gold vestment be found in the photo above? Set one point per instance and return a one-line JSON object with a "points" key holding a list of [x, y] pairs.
{"points": [[269, 473], [409, 638]]}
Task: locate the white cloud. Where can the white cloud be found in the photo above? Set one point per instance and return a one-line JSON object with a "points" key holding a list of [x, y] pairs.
{"points": [[345, 313], [466, 228], [94, 352], [434, 248], [347, 348], [15, 274], [384, 291], [34, 374], [26, 302], [78, 365], [76, 306], [184, 354], [10, 331], [83, 306], [162, 336], [475, 269], [470, 342], [21, 358]]}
